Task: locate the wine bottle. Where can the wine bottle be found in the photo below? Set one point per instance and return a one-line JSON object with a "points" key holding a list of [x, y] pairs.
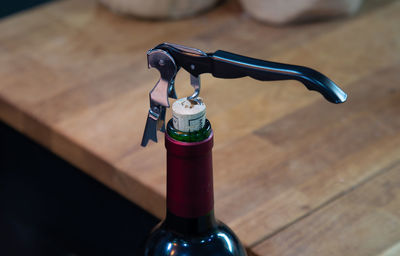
{"points": [[190, 228]]}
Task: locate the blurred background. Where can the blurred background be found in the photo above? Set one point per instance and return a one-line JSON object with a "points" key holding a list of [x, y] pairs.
{"points": [[10, 7], [294, 175], [272, 11]]}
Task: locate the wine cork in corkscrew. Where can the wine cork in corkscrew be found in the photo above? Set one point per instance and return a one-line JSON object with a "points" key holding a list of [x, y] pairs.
{"points": [[188, 115]]}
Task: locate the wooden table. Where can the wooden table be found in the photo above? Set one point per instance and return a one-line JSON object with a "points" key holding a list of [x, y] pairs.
{"points": [[294, 174]]}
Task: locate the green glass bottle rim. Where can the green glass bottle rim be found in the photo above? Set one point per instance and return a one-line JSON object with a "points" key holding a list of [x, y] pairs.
{"points": [[197, 136]]}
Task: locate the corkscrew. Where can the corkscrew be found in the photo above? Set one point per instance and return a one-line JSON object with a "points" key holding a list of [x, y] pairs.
{"points": [[169, 58]]}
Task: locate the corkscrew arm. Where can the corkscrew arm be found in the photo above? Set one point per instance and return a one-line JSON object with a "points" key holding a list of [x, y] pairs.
{"points": [[163, 89]]}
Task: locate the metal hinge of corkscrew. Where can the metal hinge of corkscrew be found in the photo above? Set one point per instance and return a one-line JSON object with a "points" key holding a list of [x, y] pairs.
{"points": [[169, 58]]}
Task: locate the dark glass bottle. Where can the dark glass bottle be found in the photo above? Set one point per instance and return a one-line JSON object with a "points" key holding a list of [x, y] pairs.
{"points": [[190, 228]]}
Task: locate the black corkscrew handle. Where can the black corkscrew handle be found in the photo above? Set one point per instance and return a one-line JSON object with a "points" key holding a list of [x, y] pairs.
{"points": [[224, 64], [230, 65]]}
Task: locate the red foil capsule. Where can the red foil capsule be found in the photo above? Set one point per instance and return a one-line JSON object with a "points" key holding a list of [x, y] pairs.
{"points": [[189, 177]]}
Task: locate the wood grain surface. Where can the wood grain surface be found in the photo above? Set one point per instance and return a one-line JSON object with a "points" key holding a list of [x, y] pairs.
{"points": [[294, 174]]}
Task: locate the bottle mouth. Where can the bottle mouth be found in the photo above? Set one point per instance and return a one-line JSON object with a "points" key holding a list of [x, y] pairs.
{"points": [[196, 136]]}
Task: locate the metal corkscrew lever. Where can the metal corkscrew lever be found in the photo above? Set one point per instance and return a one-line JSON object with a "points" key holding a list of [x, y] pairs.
{"points": [[169, 58]]}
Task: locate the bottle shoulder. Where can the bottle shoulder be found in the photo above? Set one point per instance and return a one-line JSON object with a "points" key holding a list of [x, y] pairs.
{"points": [[219, 241]]}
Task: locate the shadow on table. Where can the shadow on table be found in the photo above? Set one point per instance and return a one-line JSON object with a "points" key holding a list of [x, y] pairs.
{"points": [[48, 207]]}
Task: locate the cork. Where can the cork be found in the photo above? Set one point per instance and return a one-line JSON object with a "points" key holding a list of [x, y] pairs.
{"points": [[188, 115]]}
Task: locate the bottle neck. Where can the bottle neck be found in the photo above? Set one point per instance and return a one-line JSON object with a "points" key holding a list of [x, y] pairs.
{"points": [[190, 226], [190, 196]]}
